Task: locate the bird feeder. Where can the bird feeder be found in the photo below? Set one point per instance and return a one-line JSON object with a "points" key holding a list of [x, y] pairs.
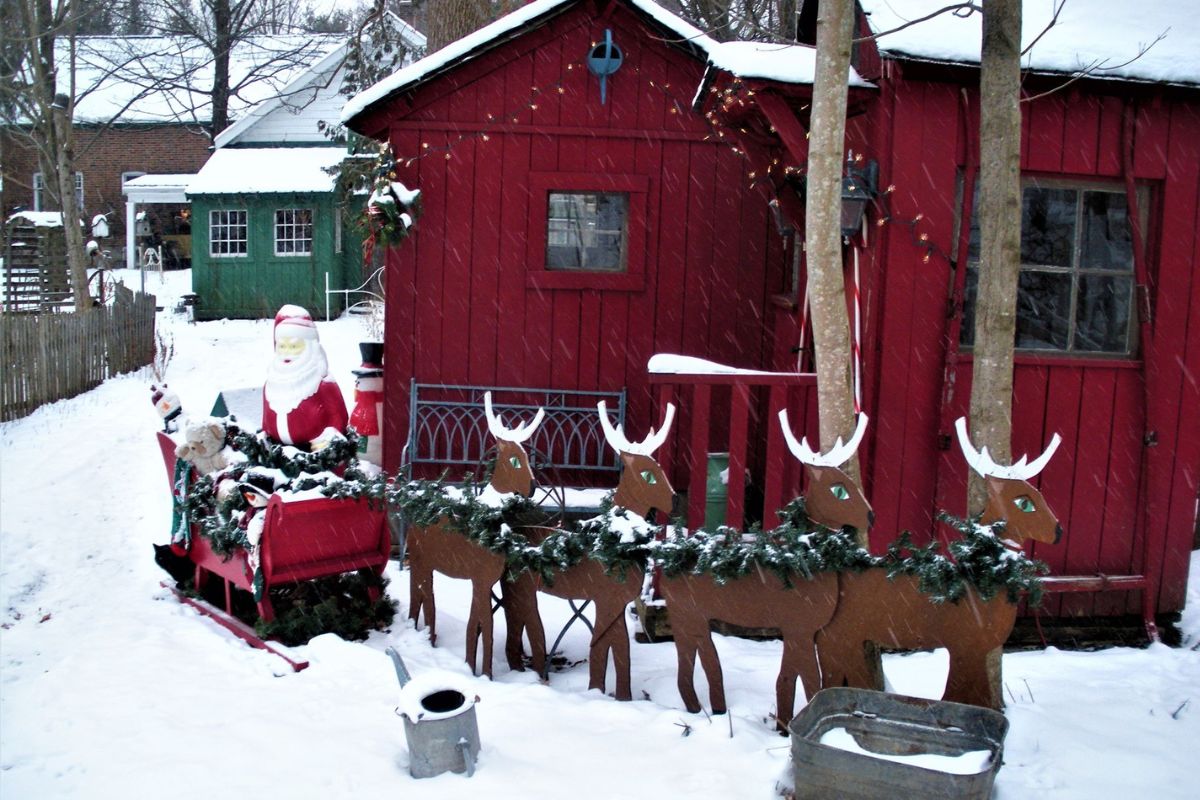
{"points": [[605, 59]]}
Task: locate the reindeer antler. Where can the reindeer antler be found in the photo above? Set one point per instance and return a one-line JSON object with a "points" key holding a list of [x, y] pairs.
{"points": [[981, 460], [837, 455], [616, 436], [516, 435]]}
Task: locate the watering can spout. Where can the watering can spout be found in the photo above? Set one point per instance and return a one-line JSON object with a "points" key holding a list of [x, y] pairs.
{"points": [[401, 670]]}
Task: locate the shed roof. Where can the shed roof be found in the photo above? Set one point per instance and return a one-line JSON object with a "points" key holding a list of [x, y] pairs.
{"points": [[1102, 36], [502, 30], [270, 170]]}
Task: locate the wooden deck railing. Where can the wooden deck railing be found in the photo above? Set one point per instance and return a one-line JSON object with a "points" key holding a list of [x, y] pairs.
{"points": [[754, 399]]}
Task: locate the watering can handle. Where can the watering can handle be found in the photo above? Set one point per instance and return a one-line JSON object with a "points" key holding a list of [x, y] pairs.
{"points": [[468, 758], [401, 670]]}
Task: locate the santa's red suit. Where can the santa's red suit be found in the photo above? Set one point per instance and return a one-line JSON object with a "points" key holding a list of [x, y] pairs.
{"points": [[305, 423], [300, 406]]}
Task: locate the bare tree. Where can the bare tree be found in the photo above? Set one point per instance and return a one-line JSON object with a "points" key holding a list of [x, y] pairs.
{"points": [[37, 95], [1000, 234], [823, 235], [450, 20], [757, 20]]}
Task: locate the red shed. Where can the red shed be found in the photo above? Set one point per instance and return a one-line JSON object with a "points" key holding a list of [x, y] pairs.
{"points": [[671, 162]]}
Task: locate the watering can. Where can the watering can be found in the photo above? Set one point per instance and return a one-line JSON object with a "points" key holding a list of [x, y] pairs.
{"points": [[439, 722]]}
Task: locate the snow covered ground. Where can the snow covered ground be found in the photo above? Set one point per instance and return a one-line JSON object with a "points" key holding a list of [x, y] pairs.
{"points": [[110, 688]]}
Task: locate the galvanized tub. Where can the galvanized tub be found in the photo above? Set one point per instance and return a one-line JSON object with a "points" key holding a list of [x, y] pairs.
{"points": [[894, 725], [439, 722]]}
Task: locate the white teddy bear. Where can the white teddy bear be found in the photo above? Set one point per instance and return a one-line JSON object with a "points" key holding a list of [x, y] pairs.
{"points": [[204, 445]]}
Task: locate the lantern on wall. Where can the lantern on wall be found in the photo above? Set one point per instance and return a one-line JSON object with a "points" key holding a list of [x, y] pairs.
{"points": [[604, 60], [858, 189]]}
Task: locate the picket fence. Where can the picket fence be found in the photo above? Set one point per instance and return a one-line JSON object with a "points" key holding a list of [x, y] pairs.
{"points": [[48, 357]]}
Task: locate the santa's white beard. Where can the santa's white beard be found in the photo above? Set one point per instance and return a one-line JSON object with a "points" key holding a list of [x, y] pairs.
{"points": [[289, 384]]}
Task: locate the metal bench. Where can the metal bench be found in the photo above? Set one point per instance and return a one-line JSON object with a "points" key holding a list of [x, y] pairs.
{"points": [[448, 430]]}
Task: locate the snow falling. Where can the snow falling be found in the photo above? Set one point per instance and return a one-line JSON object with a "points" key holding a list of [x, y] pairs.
{"points": [[109, 687]]}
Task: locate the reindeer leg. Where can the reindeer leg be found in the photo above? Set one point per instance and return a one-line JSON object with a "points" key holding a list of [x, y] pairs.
{"points": [[479, 624], [685, 651], [969, 680], [712, 670]]}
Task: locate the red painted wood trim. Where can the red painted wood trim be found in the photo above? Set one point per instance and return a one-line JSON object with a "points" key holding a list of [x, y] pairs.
{"points": [[234, 626], [739, 422], [700, 412], [709, 379], [1094, 583], [564, 131], [1051, 360], [776, 459], [791, 131]]}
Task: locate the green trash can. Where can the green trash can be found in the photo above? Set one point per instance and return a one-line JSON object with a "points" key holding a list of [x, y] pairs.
{"points": [[716, 491]]}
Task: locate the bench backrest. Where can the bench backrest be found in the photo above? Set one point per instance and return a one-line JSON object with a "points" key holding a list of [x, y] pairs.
{"points": [[448, 427]]}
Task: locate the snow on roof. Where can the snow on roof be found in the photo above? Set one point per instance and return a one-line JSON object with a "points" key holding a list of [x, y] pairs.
{"points": [[166, 188], [1104, 34], [41, 219], [120, 78], [522, 19], [777, 62], [233, 170], [307, 83]]}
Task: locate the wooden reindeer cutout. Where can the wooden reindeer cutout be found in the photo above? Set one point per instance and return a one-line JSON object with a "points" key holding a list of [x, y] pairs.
{"points": [[453, 554], [896, 614], [1008, 488], [643, 486], [832, 499], [762, 600]]}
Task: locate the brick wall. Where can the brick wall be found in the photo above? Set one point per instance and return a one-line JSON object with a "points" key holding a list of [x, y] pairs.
{"points": [[102, 154]]}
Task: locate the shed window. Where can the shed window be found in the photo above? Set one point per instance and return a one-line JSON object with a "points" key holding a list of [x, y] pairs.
{"points": [[587, 231], [1075, 290], [293, 231], [227, 233]]}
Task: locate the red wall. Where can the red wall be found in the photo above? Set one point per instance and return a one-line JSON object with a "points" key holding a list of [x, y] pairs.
{"points": [[460, 306], [1108, 489]]}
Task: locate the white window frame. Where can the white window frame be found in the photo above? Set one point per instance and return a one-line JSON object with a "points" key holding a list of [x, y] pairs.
{"points": [[126, 177], [39, 189], [227, 226], [288, 230]]}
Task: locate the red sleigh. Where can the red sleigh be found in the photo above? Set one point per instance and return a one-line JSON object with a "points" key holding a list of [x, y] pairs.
{"points": [[301, 540]]}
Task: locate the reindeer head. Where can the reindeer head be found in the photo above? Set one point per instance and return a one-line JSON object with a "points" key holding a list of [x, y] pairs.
{"points": [[643, 484], [833, 499], [1010, 496], [512, 473]]}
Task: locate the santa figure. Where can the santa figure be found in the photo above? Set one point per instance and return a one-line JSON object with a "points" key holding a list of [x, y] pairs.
{"points": [[301, 406]]}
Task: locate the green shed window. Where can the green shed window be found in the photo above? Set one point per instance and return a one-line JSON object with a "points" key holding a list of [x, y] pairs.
{"points": [[227, 233], [293, 231]]}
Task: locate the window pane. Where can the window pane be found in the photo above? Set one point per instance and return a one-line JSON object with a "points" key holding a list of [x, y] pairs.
{"points": [[966, 336], [1102, 313], [1107, 243], [586, 231], [1047, 226], [1043, 310]]}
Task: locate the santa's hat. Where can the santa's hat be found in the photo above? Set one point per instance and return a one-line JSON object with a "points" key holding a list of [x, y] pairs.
{"points": [[294, 322]]}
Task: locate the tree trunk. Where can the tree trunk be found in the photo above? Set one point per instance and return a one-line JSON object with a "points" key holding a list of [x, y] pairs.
{"points": [[823, 235], [450, 20], [64, 173], [223, 40], [999, 215]]}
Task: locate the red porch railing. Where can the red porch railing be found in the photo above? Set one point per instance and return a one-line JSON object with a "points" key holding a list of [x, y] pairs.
{"points": [[748, 428]]}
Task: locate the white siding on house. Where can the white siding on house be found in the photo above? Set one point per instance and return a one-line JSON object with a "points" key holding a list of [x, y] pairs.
{"points": [[295, 118]]}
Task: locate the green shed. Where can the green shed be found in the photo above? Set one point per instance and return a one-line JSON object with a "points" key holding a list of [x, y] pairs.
{"points": [[267, 230]]}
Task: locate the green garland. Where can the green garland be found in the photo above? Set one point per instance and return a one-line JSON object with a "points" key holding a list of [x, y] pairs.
{"points": [[977, 558], [338, 604]]}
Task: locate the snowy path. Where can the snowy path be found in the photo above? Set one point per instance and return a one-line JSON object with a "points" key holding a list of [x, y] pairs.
{"points": [[109, 688]]}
